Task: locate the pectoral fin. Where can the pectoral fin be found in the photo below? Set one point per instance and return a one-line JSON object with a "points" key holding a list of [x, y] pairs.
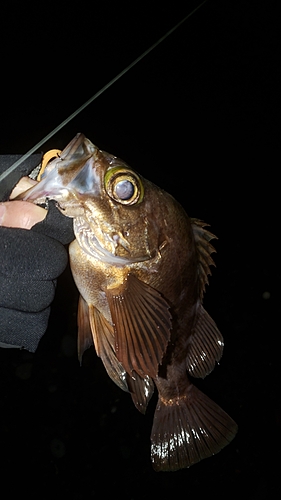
{"points": [[85, 339], [142, 324], [94, 329], [103, 336]]}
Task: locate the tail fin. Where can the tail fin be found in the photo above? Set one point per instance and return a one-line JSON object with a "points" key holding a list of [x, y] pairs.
{"points": [[187, 429]]}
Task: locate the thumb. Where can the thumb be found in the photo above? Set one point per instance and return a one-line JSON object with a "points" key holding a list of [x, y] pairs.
{"points": [[20, 214]]}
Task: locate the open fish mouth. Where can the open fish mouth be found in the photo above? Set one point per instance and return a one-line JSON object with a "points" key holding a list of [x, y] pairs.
{"points": [[76, 159]]}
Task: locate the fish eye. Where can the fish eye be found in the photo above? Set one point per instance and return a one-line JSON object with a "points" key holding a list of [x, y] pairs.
{"points": [[123, 186], [124, 189]]}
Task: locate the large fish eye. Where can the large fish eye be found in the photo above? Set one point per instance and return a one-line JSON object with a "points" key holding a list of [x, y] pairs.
{"points": [[123, 186]]}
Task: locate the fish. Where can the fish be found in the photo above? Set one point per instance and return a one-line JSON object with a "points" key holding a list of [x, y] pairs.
{"points": [[141, 266]]}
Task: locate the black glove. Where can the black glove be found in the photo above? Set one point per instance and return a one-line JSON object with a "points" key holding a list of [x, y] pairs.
{"points": [[31, 260]]}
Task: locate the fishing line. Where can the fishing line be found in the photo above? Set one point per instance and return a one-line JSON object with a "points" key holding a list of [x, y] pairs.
{"points": [[95, 96]]}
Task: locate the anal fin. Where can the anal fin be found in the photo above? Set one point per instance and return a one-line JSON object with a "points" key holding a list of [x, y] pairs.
{"points": [[141, 390]]}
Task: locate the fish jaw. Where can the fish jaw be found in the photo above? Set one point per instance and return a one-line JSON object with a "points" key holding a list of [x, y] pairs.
{"points": [[68, 175], [49, 188]]}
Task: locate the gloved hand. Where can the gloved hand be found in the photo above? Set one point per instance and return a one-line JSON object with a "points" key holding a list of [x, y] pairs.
{"points": [[31, 260]]}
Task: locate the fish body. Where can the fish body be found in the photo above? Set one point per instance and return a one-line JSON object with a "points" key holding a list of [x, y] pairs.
{"points": [[141, 266]]}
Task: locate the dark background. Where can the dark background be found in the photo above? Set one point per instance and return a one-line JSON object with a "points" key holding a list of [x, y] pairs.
{"points": [[199, 116]]}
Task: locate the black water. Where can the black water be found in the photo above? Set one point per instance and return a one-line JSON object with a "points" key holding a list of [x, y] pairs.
{"points": [[199, 117]]}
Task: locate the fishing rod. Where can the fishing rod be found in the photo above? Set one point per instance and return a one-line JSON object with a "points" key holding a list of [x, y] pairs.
{"points": [[9, 171]]}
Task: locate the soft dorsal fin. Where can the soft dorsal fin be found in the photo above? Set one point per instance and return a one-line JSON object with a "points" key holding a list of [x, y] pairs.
{"points": [[204, 250], [142, 323], [205, 345]]}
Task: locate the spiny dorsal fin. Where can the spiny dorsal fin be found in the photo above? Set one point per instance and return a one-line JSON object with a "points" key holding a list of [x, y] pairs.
{"points": [[204, 250]]}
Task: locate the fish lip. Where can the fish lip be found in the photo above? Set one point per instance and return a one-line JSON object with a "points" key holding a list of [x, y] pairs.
{"points": [[51, 185], [43, 191], [73, 145]]}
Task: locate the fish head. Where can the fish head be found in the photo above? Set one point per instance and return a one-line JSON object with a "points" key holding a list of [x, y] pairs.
{"points": [[113, 207]]}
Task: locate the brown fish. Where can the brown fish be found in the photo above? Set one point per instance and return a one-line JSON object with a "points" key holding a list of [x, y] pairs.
{"points": [[141, 266]]}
